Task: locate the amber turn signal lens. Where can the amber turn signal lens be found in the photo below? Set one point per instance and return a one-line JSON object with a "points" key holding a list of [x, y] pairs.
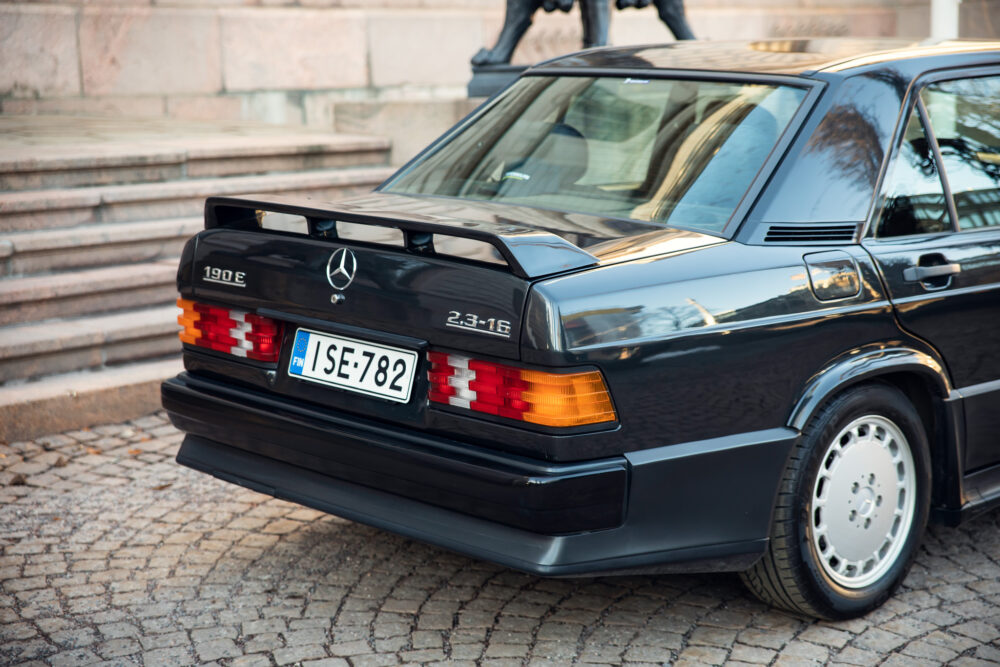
{"points": [[571, 399], [189, 334]]}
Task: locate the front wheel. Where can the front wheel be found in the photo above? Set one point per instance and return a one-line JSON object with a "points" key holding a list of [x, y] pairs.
{"points": [[851, 509]]}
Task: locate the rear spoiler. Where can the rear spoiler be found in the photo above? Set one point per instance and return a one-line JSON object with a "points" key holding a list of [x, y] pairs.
{"points": [[529, 253]]}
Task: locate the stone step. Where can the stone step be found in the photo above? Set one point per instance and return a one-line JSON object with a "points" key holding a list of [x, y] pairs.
{"points": [[86, 292], [34, 350], [77, 400], [47, 209], [94, 245], [128, 159]]}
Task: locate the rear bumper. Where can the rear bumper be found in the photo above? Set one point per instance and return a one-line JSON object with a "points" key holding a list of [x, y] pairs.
{"points": [[691, 507], [506, 489]]}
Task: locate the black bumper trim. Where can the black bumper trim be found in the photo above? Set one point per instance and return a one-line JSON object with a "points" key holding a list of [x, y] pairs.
{"points": [[693, 507], [540, 497], [545, 555]]}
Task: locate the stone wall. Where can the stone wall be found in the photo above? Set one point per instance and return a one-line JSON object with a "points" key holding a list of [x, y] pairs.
{"points": [[353, 65]]}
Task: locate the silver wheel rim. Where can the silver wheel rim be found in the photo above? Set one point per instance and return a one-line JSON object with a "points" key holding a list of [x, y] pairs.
{"points": [[863, 502]]}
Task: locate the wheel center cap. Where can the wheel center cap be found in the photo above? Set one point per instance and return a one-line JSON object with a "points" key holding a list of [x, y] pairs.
{"points": [[866, 501]]}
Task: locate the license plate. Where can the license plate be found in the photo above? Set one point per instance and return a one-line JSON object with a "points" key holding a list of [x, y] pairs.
{"points": [[354, 365]]}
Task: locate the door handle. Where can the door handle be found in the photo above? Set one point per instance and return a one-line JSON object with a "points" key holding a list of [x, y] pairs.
{"points": [[921, 273]]}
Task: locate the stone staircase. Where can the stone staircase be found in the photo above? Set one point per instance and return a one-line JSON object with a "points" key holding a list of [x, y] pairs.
{"points": [[91, 225]]}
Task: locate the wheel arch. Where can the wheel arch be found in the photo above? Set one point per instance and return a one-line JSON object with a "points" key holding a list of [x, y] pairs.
{"points": [[922, 378]]}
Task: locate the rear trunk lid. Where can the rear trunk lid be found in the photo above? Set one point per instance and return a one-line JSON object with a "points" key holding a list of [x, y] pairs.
{"points": [[450, 272]]}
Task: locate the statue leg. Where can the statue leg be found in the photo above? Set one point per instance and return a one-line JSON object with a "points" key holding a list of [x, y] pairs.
{"points": [[596, 18], [516, 22], [672, 13]]}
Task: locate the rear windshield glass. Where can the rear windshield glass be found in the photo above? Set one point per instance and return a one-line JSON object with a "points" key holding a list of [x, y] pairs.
{"points": [[679, 152]]}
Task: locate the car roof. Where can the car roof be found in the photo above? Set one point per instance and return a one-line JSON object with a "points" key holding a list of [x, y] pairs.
{"points": [[804, 56]]}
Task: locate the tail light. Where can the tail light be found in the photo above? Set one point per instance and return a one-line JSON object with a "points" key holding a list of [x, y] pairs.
{"points": [[537, 397], [236, 332]]}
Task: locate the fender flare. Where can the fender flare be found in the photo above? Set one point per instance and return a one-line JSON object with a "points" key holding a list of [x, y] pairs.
{"points": [[865, 363]]}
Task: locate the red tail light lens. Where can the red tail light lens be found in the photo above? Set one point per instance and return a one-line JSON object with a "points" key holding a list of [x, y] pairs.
{"points": [[264, 336], [229, 330], [538, 397]]}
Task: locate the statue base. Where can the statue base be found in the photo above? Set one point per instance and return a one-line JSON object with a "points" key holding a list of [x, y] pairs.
{"points": [[487, 80]]}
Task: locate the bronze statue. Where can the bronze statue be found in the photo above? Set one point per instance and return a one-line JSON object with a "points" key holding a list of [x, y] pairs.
{"points": [[594, 15]]}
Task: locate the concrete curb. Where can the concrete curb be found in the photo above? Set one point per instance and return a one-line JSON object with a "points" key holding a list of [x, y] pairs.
{"points": [[77, 400]]}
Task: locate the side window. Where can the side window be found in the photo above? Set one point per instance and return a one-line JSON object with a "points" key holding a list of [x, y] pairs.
{"points": [[914, 202], [965, 117]]}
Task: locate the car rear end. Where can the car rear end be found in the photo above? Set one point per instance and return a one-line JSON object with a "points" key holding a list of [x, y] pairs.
{"points": [[379, 369], [372, 365], [401, 360]]}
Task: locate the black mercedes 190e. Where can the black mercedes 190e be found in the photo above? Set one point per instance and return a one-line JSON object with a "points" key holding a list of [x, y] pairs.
{"points": [[666, 308]]}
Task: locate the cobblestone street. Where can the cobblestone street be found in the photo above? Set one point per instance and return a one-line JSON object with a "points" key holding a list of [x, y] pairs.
{"points": [[111, 553]]}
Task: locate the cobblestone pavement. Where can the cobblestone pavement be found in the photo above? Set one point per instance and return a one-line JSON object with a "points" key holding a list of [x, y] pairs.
{"points": [[111, 553]]}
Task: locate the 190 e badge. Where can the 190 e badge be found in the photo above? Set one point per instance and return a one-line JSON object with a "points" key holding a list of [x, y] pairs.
{"points": [[213, 274]]}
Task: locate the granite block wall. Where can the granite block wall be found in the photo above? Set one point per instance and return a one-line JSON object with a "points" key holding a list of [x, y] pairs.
{"points": [[364, 65]]}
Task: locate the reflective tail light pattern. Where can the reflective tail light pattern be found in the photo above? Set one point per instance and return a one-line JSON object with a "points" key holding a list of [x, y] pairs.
{"points": [[537, 397], [236, 332]]}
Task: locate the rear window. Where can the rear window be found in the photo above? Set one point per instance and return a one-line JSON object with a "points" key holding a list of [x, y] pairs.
{"points": [[678, 152]]}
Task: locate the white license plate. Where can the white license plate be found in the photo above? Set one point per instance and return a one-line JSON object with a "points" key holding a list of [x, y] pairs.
{"points": [[354, 365]]}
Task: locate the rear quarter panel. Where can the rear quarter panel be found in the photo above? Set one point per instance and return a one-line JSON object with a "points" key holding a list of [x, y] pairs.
{"points": [[713, 342]]}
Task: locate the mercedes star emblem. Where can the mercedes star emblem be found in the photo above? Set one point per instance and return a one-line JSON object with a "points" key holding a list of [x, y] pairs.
{"points": [[340, 269]]}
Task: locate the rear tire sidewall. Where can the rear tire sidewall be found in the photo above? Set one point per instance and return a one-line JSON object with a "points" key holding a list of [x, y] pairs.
{"points": [[832, 599]]}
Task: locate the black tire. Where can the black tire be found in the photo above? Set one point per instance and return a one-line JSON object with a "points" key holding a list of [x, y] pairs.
{"points": [[798, 572]]}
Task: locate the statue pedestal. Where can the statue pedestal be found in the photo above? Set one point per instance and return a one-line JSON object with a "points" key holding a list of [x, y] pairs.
{"points": [[490, 79]]}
